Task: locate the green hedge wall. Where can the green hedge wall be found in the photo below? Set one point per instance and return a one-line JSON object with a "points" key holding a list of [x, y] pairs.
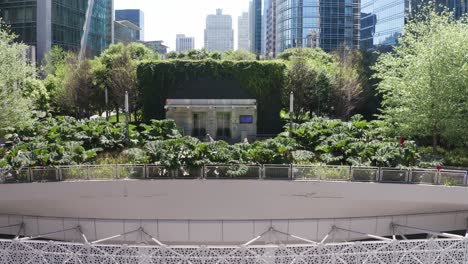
{"points": [[263, 80]]}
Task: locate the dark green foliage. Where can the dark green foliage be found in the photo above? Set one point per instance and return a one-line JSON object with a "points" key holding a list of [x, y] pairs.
{"points": [[263, 80], [357, 142], [67, 141]]}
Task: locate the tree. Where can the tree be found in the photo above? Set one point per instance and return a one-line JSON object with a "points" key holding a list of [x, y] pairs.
{"points": [[80, 93], [55, 71], [53, 60], [171, 55], [372, 100], [425, 81], [239, 55], [315, 54], [347, 88], [215, 55], [120, 74], [15, 71], [311, 87]]}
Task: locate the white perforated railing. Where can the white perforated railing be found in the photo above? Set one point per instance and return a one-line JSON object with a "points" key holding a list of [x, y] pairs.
{"points": [[432, 251], [240, 172]]}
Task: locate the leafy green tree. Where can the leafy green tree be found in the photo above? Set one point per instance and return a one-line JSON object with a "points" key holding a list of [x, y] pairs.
{"points": [[372, 100], [53, 60], [57, 67], [15, 72], [347, 84], [317, 55], [79, 94], [171, 55], [239, 55], [311, 87], [425, 81], [215, 55], [120, 74], [36, 90]]}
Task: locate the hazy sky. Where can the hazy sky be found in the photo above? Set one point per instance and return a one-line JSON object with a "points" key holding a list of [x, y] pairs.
{"points": [[166, 18]]}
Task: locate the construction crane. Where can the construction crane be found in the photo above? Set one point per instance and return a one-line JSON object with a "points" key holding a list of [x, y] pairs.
{"points": [[84, 38]]}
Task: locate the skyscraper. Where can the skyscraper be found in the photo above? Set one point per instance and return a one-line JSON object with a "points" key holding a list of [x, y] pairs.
{"points": [[136, 16], [45, 23], [383, 21], [243, 32], [184, 43], [125, 32], [219, 35], [317, 23], [255, 13], [270, 32]]}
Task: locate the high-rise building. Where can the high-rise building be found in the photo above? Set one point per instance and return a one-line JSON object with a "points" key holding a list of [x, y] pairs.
{"points": [[157, 46], [270, 28], [219, 35], [46, 23], [125, 32], [136, 16], [255, 13], [264, 25], [184, 43], [243, 32], [383, 21], [317, 23]]}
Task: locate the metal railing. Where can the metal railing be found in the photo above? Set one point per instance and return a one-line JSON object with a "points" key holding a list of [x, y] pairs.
{"points": [[404, 251], [238, 172]]}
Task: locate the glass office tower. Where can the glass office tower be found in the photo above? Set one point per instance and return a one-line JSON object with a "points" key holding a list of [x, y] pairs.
{"points": [[255, 13], [317, 23], [136, 16], [21, 16], [59, 22], [383, 21]]}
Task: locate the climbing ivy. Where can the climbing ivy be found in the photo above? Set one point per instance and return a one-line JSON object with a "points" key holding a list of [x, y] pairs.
{"points": [[263, 80]]}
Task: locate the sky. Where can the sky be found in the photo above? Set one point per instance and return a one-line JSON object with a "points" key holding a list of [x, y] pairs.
{"points": [[166, 18]]}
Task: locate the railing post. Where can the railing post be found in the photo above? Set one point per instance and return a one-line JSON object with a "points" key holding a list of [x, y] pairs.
{"points": [[116, 175], [30, 176], [57, 173], [291, 172], [87, 172]]}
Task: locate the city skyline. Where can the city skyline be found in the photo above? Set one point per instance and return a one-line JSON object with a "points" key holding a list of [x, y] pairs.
{"points": [[190, 20]]}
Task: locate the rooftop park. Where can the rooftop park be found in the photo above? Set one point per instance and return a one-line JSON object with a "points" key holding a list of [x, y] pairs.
{"points": [[407, 107]]}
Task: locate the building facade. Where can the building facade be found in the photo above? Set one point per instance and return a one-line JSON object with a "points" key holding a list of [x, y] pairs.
{"points": [[270, 32], [383, 21], [219, 35], [243, 32], [255, 14], [125, 32], [184, 43], [157, 46], [211, 108], [326, 24], [136, 16], [221, 119], [59, 22]]}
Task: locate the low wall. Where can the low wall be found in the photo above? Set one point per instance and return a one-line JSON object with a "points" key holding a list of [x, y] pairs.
{"points": [[226, 211]]}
